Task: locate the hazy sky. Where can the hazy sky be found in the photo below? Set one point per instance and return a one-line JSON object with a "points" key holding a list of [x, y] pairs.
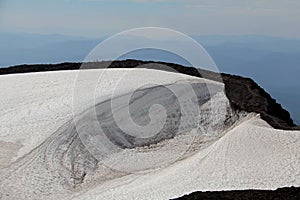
{"points": [[96, 18]]}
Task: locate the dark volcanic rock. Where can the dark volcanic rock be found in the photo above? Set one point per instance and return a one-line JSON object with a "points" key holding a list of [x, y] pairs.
{"points": [[246, 95], [243, 93], [279, 194]]}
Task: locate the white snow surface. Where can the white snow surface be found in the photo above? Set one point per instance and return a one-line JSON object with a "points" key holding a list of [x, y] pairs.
{"points": [[34, 105], [248, 155]]}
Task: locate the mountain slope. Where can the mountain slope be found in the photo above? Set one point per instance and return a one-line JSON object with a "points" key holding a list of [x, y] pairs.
{"points": [[243, 93], [46, 144]]}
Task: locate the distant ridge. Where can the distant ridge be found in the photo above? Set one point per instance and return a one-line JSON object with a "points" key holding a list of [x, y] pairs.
{"points": [[243, 93]]}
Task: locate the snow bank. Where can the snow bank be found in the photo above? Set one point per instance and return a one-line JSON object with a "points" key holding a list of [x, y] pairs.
{"points": [[42, 156]]}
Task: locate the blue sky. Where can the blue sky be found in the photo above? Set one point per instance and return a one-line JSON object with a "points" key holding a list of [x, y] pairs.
{"points": [[264, 59], [96, 18]]}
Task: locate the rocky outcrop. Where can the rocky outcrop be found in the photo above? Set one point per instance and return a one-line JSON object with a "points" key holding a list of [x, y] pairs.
{"points": [[282, 193]]}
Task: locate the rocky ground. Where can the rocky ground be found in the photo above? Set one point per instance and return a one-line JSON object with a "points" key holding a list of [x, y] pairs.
{"points": [[282, 193]]}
